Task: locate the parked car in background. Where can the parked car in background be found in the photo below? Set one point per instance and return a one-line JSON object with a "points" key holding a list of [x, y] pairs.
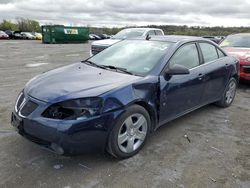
{"points": [[3, 35], [116, 98], [38, 36], [239, 45], [91, 37], [28, 36], [23, 35], [10, 34], [94, 37], [98, 46], [106, 36], [17, 35], [216, 39], [103, 36]]}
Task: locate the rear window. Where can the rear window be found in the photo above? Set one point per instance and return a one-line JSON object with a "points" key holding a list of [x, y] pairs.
{"points": [[158, 32]]}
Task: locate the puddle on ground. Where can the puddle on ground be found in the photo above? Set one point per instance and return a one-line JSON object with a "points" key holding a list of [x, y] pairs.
{"points": [[40, 57], [10, 42], [72, 55], [31, 65]]}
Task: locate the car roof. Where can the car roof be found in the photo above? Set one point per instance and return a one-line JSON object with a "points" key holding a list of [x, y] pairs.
{"points": [[174, 38]]}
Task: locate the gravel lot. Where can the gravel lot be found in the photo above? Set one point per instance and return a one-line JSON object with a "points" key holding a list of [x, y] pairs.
{"points": [[217, 156]]}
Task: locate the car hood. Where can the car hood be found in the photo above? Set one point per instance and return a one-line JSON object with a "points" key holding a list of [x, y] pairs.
{"points": [[75, 81], [106, 42], [239, 52], [243, 54]]}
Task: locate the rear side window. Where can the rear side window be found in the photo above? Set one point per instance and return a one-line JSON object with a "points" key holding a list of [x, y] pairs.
{"points": [[220, 53], [158, 32], [152, 32], [209, 52], [186, 56]]}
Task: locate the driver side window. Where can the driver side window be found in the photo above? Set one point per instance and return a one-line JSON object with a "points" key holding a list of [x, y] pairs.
{"points": [[186, 56]]}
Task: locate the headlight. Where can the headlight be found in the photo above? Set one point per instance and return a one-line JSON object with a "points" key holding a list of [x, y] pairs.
{"points": [[74, 109]]}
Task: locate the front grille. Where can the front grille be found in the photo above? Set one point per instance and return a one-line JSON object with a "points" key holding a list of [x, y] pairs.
{"points": [[246, 69], [28, 108], [97, 49]]}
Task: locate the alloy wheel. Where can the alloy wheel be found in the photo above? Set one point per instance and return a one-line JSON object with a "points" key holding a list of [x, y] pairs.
{"points": [[230, 93], [132, 133]]}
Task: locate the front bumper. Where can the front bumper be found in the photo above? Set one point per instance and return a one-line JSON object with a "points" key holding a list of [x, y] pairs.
{"points": [[65, 136]]}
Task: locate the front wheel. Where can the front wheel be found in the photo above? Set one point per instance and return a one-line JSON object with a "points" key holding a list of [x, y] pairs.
{"points": [[229, 94], [129, 133]]}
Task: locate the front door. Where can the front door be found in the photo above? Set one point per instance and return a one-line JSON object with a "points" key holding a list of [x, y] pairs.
{"points": [[181, 93]]}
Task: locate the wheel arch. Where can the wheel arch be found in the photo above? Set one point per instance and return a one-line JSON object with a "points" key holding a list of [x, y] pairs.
{"points": [[151, 111], [235, 73], [236, 76]]}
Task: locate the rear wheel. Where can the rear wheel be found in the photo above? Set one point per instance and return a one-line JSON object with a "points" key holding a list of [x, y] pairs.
{"points": [[130, 132], [229, 94]]}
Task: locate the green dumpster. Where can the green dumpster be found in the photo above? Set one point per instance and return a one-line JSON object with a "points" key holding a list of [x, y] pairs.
{"points": [[63, 34]]}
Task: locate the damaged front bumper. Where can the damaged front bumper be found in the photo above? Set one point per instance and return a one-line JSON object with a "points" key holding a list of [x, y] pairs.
{"points": [[65, 137]]}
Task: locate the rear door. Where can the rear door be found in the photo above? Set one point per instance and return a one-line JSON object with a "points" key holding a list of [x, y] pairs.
{"points": [[182, 93], [215, 68]]}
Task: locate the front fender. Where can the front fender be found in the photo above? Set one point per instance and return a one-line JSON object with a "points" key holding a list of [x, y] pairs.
{"points": [[144, 93]]}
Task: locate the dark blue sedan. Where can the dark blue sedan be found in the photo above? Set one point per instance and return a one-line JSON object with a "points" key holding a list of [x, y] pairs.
{"points": [[116, 98]]}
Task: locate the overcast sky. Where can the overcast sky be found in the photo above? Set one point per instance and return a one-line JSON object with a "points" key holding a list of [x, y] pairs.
{"points": [[130, 12]]}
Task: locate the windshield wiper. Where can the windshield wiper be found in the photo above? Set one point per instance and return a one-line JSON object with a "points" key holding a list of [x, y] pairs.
{"points": [[118, 68], [93, 64], [108, 67]]}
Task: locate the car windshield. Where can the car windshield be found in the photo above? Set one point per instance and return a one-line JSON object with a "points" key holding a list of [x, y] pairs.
{"points": [[129, 33], [135, 56], [236, 41]]}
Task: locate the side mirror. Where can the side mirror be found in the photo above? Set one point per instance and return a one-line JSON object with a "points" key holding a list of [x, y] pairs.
{"points": [[177, 70]]}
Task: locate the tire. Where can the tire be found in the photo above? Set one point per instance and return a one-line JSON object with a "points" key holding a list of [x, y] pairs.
{"points": [[129, 133], [229, 94]]}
